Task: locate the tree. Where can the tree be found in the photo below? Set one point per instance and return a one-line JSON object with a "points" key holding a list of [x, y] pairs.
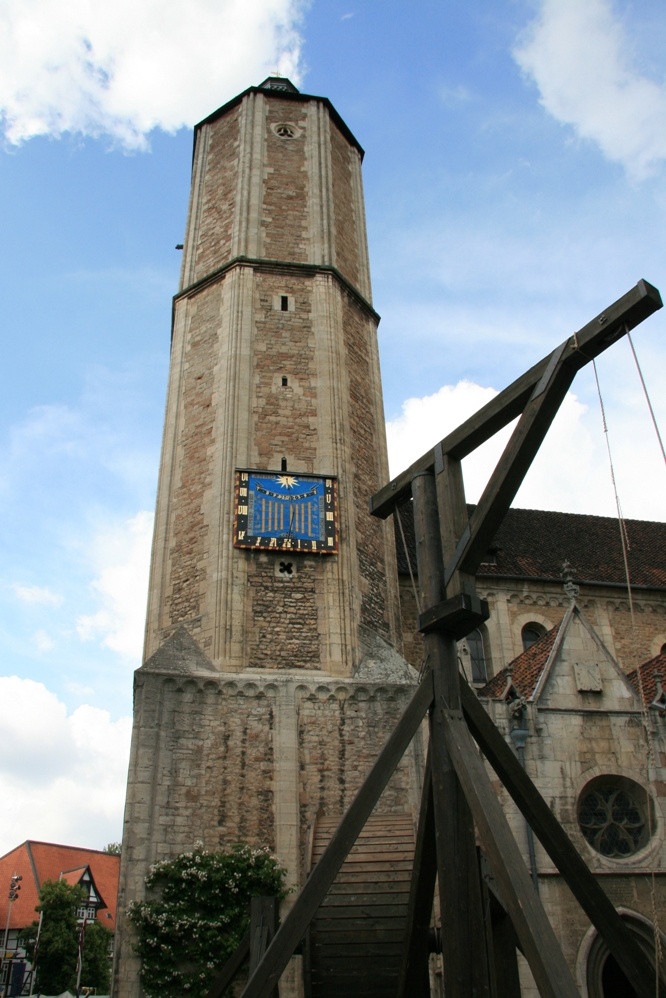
{"points": [[114, 848], [58, 947], [96, 967], [192, 927], [55, 966]]}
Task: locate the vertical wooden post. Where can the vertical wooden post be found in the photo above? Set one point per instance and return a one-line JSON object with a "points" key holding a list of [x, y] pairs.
{"points": [[264, 918], [463, 932], [415, 972]]}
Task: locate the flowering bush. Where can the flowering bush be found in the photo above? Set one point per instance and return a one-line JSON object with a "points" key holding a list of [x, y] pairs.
{"points": [[197, 910]]}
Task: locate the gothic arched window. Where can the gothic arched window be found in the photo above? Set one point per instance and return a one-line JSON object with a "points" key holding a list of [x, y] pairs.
{"points": [[477, 656], [605, 979], [531, 633]]}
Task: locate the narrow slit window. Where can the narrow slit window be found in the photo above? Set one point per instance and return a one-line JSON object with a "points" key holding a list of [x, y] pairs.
{"points": [[284, 303]]}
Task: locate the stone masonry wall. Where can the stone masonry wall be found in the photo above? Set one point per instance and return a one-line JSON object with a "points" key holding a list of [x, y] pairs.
{"points": [[282, 612], [217, 766], [284, 415], [190, 530], [365, 437], [219, 194], [564, 751], [285, 208], [637, 638], [340, 734], [545, 604], [346, 227]]}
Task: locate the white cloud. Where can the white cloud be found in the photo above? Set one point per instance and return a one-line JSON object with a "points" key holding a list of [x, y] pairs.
{"points": [[43, 642], [62, 776], [121, 69], [121, 556], [579, 54], [570, 473], [37, 594]]}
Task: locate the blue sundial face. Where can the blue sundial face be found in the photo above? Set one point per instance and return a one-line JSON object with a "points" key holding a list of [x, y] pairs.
{"points": [[286, 512]]}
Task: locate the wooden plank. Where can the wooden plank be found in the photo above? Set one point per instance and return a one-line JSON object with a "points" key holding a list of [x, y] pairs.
{"points": [[372, 946], [384, 838], [392, 930], [316, 886], [349, 899], [620, 317], [559, 847], [370, 915], [542, 951], [344, 883]]}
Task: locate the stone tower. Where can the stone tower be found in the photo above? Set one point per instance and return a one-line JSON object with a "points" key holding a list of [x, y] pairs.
{"points": [[272, 673]]}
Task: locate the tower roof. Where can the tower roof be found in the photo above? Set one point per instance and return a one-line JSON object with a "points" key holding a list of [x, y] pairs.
{"points": [[280, 83], [280, 86]]}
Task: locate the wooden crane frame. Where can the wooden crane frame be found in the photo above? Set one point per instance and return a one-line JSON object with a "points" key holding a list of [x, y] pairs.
{"points": [[458, 800]]}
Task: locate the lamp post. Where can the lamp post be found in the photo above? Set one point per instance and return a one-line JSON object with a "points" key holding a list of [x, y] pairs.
{"points": [[14, 888]]}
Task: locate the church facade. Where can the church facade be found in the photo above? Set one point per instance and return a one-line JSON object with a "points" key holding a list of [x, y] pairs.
{"points": [[281, 644]]}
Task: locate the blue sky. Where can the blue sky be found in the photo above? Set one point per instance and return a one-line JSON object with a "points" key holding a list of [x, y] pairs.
{"points": [[514, 184]]}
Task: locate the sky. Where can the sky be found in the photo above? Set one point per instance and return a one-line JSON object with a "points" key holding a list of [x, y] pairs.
{"points": [[514, 186]]}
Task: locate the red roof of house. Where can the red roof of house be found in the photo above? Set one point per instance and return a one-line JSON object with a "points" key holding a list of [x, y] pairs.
{"points": [[526, 670], [647, 673], [37, 862]]}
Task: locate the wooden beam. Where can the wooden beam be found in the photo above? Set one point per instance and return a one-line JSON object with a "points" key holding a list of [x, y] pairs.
{"points": [[264, 921], [559, 847], [318, 883], [607, 327], [512, 467], [230, 969], [465, 966], [542, 950]]}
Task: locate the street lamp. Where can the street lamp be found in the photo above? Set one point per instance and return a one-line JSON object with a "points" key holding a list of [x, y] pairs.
{"points": [[14, 888]]}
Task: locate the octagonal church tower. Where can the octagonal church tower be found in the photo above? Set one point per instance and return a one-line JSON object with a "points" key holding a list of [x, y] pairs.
{"points": [[272, 672]]}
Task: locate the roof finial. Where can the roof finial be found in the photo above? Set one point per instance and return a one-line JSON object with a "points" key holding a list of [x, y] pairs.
{"points": [[570, 587]]}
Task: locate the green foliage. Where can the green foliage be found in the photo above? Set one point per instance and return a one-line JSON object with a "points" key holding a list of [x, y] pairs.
{"points": [[96, 969], [114, 848], [189, 931], [59, 937], [58, 948]]}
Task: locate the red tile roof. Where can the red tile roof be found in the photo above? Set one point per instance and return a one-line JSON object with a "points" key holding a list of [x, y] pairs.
{"points": [[534, 543], [37, 862], [646, 672], [526, 669]]}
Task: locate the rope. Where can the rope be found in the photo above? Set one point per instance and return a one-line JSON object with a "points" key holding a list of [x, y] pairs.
{"points": [[647, 397], [651, 765], [409, 564]]}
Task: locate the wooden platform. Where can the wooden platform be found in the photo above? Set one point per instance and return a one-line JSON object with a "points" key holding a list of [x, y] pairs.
{"points": [[357, 934]]}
